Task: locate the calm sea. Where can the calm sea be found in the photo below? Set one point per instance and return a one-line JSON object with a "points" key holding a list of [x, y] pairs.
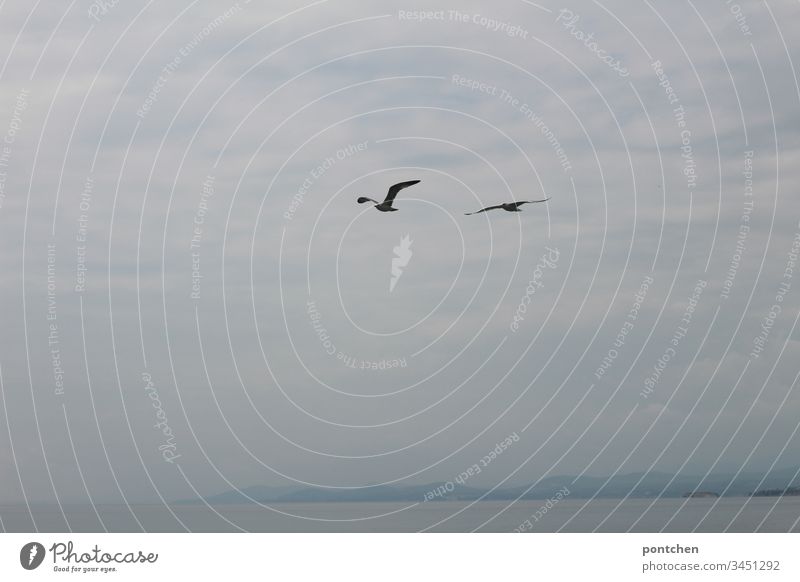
{"points": [[735, 514]]}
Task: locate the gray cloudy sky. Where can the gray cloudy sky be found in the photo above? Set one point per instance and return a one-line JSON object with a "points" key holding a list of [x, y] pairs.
{"points": [[149, 101]]}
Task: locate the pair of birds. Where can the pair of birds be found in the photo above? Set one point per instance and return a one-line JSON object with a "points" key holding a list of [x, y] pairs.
{"points": [[386, 205]]}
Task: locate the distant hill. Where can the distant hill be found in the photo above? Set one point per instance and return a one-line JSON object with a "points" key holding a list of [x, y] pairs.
{"points": [[637, 485]]}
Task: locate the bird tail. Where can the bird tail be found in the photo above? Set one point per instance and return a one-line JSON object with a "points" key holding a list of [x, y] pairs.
{"points": [[362, 199]]}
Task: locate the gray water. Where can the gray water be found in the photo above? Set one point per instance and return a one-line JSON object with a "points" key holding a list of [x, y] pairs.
{"points": [[735, 514]]}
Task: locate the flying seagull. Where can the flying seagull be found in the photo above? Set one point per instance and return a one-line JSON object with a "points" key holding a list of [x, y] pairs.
{"points": [[508, 206], [386, 205]]}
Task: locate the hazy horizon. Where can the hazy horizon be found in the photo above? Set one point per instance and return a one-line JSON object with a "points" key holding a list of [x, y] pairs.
{"points": [[194, 302]]}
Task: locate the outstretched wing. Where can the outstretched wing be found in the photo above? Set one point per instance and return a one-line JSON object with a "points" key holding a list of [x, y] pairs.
{"points": [[363, 199], [484, 209], [521, 202], [396, 188]]}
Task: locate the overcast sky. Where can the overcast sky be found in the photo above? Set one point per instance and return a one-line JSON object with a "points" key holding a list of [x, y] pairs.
{"points": [[129, 130]]}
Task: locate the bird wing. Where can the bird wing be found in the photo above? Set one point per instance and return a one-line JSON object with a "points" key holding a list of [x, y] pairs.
{"points": [[396, 188], [521, 202], [484, 209]]}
